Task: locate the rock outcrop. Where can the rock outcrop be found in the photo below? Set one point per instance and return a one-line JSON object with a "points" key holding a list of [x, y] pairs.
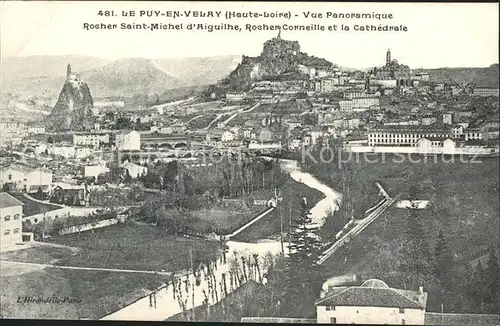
{"points": [[73, 110], [279, 59]]}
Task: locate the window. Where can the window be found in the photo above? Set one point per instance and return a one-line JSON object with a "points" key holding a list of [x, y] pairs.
{"points": [[10, 176], [7, 232], [402, 321], [16, 230], [401, 310], [333, 320], [16, 217], [6, 218], [328, 308]]}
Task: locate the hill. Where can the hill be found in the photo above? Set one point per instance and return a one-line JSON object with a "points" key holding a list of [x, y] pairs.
{"points": [[129, 76], [44, 75], [73, 108], [199, 71], [482, 77], [37, 75], [279, 59]]}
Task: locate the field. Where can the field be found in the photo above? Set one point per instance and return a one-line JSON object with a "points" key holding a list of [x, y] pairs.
{"points": [[463, 203], [122, 246], [100, 292], [228, 310], [32, 207], [130, 246], [269, 226], [223, 220], [467, 193]]}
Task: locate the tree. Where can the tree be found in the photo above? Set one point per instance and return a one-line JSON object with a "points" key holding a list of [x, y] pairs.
{"points": [[479, 286], [418, 247], [444, 261], [127, 178], [492, 282], [302, 280]]}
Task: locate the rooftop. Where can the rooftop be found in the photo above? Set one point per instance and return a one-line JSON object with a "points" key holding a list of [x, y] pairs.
{"points": [[373, 293], [7, 200]]}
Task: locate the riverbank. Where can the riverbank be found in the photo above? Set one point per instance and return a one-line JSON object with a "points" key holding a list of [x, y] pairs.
{"points": [[269, 227]]}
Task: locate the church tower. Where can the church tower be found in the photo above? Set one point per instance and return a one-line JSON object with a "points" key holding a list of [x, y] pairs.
{"points": [[388, 57], [68, 72]]}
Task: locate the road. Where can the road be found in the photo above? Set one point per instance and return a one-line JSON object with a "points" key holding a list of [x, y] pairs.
{"points": [[7, 262], [374, 213]]}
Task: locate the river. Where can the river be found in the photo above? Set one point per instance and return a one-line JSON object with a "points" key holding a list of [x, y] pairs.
{"points": [[167, 299]]}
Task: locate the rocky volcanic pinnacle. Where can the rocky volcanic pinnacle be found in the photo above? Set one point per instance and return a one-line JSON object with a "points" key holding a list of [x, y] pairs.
{"points": [[278, 58], [73, 110]]}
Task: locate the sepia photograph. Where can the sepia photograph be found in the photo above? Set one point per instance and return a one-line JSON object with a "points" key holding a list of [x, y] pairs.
{"points": [[250, 162]]}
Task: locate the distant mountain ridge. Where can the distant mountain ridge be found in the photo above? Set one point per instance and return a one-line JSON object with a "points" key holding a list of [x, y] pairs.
{"points": [[43, 75], [481, 77], [199, 71]]}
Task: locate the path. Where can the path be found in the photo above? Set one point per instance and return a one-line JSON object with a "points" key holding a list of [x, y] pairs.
{"points": [[374, 213], [225, 122], [7, 262], [193, 118], [213, 121], [241, 229]]}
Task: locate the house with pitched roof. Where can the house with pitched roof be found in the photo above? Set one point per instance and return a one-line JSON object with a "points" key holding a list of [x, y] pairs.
{"points": [[23, 177], [373, 302], [11, 214]]}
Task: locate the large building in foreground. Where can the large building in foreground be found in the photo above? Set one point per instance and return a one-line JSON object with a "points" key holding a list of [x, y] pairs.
{"points": [[374, 302], [11, 214], [406, 135]]}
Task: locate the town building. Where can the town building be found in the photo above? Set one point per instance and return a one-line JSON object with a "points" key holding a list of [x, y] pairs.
{"points": [[11, 225], [473, 133], [36, 130], [384, 83], [93, 171], [485, 91], [448, 118], [235, 97], [134, 170], [128, 140], [93, 139], [22, 178], [265, 135], [405, 135], [227, 136], [358, 103], [373, 302], [421, 76], [355, 93]]}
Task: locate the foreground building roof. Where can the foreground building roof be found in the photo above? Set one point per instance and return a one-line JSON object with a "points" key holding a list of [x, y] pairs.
{"points": [[7, 200], [373, 293]]}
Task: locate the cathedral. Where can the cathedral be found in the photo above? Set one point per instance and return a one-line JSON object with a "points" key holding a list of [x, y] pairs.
{"points": [[393, 70]]}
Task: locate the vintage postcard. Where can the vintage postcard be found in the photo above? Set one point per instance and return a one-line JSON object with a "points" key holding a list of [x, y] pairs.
{"points": [[250, 162]]}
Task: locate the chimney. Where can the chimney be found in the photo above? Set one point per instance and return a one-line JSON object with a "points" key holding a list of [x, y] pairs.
{"points": [[421, 290]]}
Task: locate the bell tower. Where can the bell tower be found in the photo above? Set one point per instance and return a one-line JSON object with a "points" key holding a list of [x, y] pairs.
{"points": [[388, 57]]}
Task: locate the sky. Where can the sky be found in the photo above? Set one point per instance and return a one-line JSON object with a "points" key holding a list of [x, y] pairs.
{"points": [[439, 34]]}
